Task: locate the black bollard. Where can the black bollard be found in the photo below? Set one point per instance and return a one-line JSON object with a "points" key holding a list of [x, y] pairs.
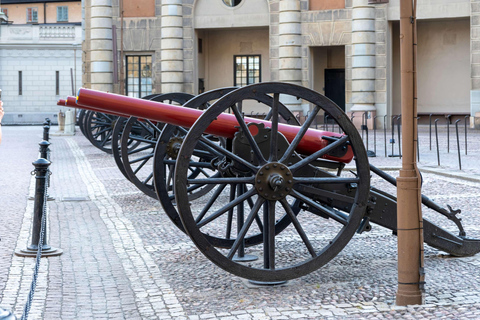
{"points": [[39, 210], [44, 149], [46, 129], [430, 130], [399, 118]]}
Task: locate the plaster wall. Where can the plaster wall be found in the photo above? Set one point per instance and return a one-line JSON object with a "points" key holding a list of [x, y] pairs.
{"points": [[443, 67], [326, 4], [143, 8], [222, 45]]}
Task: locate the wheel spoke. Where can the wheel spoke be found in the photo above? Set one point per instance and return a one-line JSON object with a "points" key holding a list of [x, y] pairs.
{"points": [[221, 180], [225, 208], [248, 135], [274, 129], [230, 212], [269, 235], [138, 150], [241, 235], [210, 202], [154, 126], [106, 139], [330, 213], [291, 148], [148, 156], [329, 180], [140, 166], [150, 176], [298, 227], [319, 153]]}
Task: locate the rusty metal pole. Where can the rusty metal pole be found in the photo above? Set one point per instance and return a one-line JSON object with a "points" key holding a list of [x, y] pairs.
{"points": [[409, 219]]}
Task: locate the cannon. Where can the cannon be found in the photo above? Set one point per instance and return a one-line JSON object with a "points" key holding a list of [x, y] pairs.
{"points": [[271, 186]]}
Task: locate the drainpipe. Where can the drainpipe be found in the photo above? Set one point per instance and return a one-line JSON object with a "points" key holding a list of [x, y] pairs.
{"points": [[411, 276]]}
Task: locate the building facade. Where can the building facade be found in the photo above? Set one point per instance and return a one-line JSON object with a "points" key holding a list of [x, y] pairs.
{"points": [[345, 49], [40, 57]]}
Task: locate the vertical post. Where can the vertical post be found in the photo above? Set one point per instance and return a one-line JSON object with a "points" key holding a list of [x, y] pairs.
{"points": [[375, 134], [448, 132], [458, 144], [409, 215], [466, 117], [385, 133], [436, 139], [399, 118], [430, 119]]}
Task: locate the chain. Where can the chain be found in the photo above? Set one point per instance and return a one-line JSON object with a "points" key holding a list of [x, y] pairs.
{"points": [[33, 285]]}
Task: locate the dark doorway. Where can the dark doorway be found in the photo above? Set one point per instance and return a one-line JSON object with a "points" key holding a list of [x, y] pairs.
{"points": [[335, 86]]}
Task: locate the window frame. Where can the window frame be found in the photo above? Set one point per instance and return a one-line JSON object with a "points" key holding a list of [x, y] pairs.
{"points": [[65, 10], [33, 10], [248, 56], [139, 89]]}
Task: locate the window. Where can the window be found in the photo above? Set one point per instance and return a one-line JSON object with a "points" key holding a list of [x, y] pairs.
{"points": [[32, 15], [19, 83], [57, 83], [139, 76], [247, 70], [62, 14]]}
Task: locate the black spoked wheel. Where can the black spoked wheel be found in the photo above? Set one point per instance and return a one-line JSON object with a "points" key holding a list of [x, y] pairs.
{"points": [[81, 121], [138, 163], [276, 175], [204, 164], [99, 129], [117, 136]]}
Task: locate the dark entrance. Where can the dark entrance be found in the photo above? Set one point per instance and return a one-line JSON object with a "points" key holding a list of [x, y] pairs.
{"points": [[335, 86]]}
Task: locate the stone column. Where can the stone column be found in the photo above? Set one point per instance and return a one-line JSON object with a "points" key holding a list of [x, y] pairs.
{"points": [[101, 45], [290, 48], [172, 46], [363, 56]]}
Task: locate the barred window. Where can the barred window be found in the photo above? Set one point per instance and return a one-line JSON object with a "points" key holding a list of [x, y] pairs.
{"points": [[247, 70], [139, 76]]}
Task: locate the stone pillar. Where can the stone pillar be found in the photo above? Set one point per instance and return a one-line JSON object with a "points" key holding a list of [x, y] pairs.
{"points": [[172, 46], [290, 48], [363, 56], [475, 58], [101, 45]]}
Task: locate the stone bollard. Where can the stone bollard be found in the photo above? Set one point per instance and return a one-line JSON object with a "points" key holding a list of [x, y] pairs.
{"points": [[70, 122], [41, 174], [61, 121]]}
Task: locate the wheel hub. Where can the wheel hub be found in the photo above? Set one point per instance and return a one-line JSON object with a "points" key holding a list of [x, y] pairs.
{"points": [[274, 181], [173, 147]]}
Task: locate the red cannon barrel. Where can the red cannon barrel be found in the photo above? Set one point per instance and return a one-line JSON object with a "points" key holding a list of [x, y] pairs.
{"points": [[226, 125]]}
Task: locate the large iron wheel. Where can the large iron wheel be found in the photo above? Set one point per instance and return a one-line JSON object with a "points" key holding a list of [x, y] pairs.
{"points": [[333, 204], [201, 167], [138, 163]]}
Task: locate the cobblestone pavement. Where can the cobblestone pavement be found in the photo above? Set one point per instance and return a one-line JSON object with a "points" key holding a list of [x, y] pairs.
{"points": [[124, 259]]}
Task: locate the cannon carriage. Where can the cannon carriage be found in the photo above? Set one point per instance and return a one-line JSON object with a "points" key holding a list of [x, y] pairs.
{"points": [[245, 188]]}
